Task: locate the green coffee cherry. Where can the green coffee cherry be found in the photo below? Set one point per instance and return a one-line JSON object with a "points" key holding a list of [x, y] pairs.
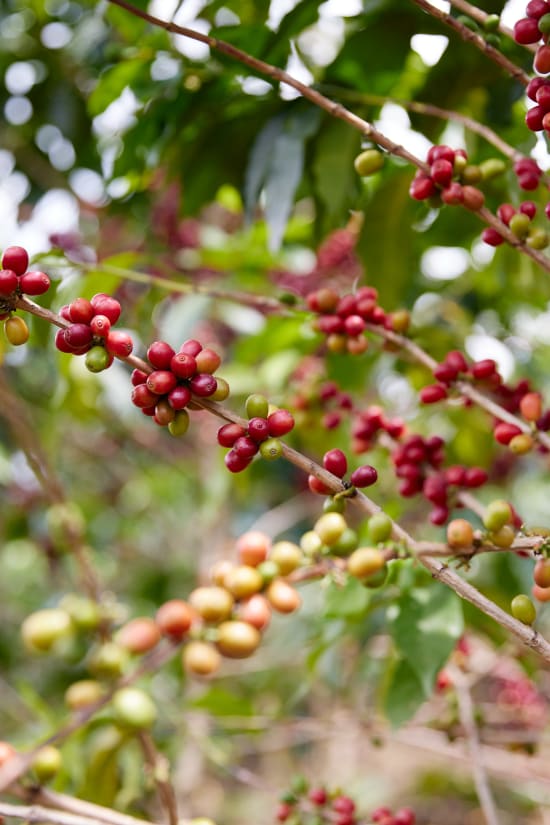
{"points": [[271, 449], [47, 763], [543, 24], [97, 359], [537, 238], [368, 162], [85, 613], [134, 708], [491, 23], [257, 406], [180, 424], [491, 168], [520, 225], [379, 528], [497, 514], [346, 544], [523, 609], [334, 505], [41, 630]]}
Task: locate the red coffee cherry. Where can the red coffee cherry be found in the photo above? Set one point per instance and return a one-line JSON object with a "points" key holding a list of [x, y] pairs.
{"points": [[118, 343], [104, 304], [138, 377], [335, 462], [422, 187], [534, 85], [174, 618], [504, 432], [236, 463], [541, 63], [191, 347], [245, 446], [441, 151], [15, 258], [100, 326], [161, 382], [258, 429], [439, 515], [483, 369], [473, 198], [81, 311], [404, 816], [381, 813], [183, 365], [526, 31], [143, 397], [441, 172], [78, 336], [317, 486], [8, 281], [433, 393], [34, 283], [203, 384], [364, 476], [318, 796], [139, 635], [229, 433], [343, 805], [60, 342], [537, 8], [475, 477], [453, 194], [279, 423], [491, 237], [207, 361], [160, 355], [179, 397]]}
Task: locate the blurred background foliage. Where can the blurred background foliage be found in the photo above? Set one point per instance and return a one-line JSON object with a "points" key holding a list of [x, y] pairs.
{"points": [[127, 152]]}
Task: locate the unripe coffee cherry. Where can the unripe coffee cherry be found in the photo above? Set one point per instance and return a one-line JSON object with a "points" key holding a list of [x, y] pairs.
{"points": [[329, 527], [497, 514], [98, 359], [207, 361], [47, 763], [17, 331], [237, 639], [83, 693], [365, 561], [139, 635], [201, 658], [287, 556], [34, 283], [243, 581], [179, 424], [282, 597], [134, 708], [164, 414], [379, 528], [460, 534], [174, 618], [519, 224], [253, 547], [42, 629], [257, 406], [15, 258], [271, 449], [368, 162], [531, 406], [504, 537], [108, 661], [521, 444], [213, 604], [523, 609], [541, 573], [222, 390]]}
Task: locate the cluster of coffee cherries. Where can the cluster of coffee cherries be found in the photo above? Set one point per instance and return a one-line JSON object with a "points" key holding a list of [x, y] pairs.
{"points": [[520, 700], [532, 28], [344, 319], [324, 399], [335, 462], [520, 223], [500, 522], [370, 423], [15, 279], [261, 434], [541, 577], [450, 178], [90, 331], [306, 804], [175, 379]]}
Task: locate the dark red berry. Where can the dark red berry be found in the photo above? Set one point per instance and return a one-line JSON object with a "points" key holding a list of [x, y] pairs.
{"points": [[347, 305], [191, 347], [183, 365], [491, 237], [34, 283], [435, 489], [534, 117], [380, 813], [118, 343], [78, 335], [100, 325], [245, 446], [16, 259], [161, 382], [138, 377], [65, 312], [404, 816], [364, 476], [483, 369], [8, 281], [422, 187], [317, 486], [439, 515], [441, 151], [160, 355], [258, 429], [456, 360], [143, 397], [453, 194], [445, 373], [229, 433], [354, 325], [203, 384], [335, 462], [81, 311], [280, 423], [236, 463], [475, 477], [179, 397], [61, 343], [441, 172], [104, 304], [526, 31], [534, 85], [537, 8], [528, 207], [330, 324], [318, 796], [505, 432], [343, 805], [455, 475], [433, 393]]}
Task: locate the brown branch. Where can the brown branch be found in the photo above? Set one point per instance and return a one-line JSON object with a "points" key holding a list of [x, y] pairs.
{"points": [[80, 807], [160, 771], [476, 39], [37, 813], [481, 16]]}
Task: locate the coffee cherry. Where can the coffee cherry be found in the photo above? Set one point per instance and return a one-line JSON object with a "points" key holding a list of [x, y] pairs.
{"points": [[203, 384], [236, 463], [84, 612], [83, 693], [519, 225], [139, 635], [541, 573], [523, 609], [521, 444], [164, 414], [180, 424], [7, 752], [182, 364], [98, 359], [161, 382], [287, 556], [368, 162], [106, 305], [282, 597], [483, 369], [537, 238], [229, 433], [271, 449], [258, 429], [16, 330], [279, 423], [541, 594], [174, 618], [100, 326], [213, 604], [8, 281], [365, 561], [526, 31], [257, 406], [180, 396], [78, 336], [433, 393], [191, 347], [34, 283], [404, 816], [256, 611], [497, 514], [329, 527], [364, 476], [318, 796], [207, 361], [531, 406], [381, 813], [118, 343], [245, 446], [491, 237], [237, 639], [269, 570], [343, 805], [283, 811], [504, 432], [473, 198], [335, 462], [143, 397], [541, 63], [15, 258], [201, 658], [460, 534], [81, 311], [536, 8], [108, 661], [47, 763], [222, 390], [504, 537], [243, 581], [133, 708], [379, 528], [41, 630], [317, 486], [253, 547]]}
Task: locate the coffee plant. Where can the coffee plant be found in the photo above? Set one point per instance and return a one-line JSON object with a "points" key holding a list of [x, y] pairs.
{"points": [[274, 412]]}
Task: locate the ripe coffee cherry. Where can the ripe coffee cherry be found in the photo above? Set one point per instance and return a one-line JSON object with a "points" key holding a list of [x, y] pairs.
{"points": [[475, 477], [422, 187], [317, 486], [138, 377], [98, 359], [78, 336], [100, 326], [191, 346], [236, 463], [237, 639], [17, 331], [380, 814], [483, 369], [143, 397], [282, 597], [47, 763], [460, 534], [34, 283], [365, 562], [174, 618], [133, 708], [258, 429], [245, 446], [81, 311], [253, 547], [207, 361], [279, 423], [526, 31], [229, 433], [368, 162], [256, 611], [452, 194], [161, 382], [104, 304], [318, 796], [505, 432], [537, 9], [160, 354], [343, 805], [441, 172], [179, 397], [118, 343], [203, 384], [491, 237], [139, 635], [335, 462], [364, 476], [16, 259], [541, 573], [8, 281], [164, 413], [433, 393], [201, 658], [523, 609], [404, 816], [541, 63]]}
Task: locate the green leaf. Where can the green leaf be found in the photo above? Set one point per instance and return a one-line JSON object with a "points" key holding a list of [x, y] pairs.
{"points": [[221, 702], [404, 695], [350, 599], [113, 81], [425, 624], [336, 182]]}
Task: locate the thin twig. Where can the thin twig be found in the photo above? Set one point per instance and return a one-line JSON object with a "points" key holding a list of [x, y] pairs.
{"points": [[481, 16], [38, 813], [160, 771], [80, 807]]}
